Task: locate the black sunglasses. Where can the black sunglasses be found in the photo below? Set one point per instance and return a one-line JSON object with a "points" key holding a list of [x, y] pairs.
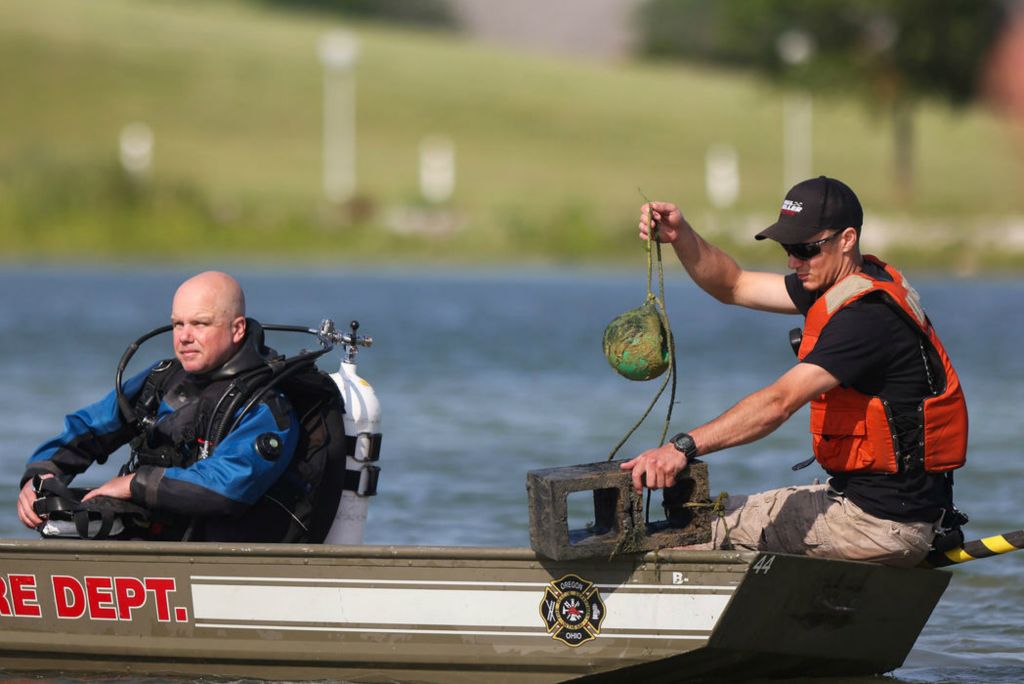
{"points": [[807, 250]]}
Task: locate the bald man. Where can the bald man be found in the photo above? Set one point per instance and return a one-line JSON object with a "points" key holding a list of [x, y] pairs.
{"points": [[189, 488]]}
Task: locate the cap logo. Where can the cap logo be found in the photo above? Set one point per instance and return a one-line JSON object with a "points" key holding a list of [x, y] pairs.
{"points": [[791, 208]]}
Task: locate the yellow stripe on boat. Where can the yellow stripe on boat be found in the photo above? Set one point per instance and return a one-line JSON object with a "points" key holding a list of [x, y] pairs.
{"points": [[998, 544], [958, 555]]}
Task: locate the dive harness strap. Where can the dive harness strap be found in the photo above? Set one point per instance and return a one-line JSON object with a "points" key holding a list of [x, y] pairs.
{"points": [[58, 502], [364, 480]]}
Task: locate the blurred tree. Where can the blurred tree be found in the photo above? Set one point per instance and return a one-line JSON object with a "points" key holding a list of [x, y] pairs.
{"points": [[889, 53], [434, 13]]}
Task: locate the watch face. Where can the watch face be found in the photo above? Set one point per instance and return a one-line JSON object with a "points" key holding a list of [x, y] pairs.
{"points": [[684, 443]]}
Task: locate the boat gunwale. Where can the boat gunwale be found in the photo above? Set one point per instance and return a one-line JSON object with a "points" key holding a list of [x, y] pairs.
{"points": [[211, 549]]}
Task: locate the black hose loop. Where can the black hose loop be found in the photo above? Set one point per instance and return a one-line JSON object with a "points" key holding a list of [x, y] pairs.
{"points": [[127, 411]]}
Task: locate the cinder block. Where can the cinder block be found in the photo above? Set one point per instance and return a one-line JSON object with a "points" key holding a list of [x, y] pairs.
{"points": [[619, 524]]}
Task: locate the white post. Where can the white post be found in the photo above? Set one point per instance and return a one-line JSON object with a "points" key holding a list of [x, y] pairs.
{"points": [[135, 146], [338, 53], [797, 138], [437, 169], [722, 175], [795, 48]]}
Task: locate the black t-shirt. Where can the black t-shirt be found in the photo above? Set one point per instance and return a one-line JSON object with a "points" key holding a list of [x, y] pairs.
{"points": [[869, 345]]}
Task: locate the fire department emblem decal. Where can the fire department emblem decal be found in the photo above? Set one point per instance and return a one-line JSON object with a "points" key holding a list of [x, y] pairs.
{"points": [[573, 610]]}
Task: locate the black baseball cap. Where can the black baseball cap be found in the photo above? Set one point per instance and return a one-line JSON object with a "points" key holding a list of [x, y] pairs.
{"points": [[813, 206]]}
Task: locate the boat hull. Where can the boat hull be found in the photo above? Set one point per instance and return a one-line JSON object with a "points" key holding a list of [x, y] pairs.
{"points": [[440, 614]]}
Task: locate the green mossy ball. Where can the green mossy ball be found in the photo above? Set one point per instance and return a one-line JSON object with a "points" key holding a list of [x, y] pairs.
{"points": [[635, 343]]}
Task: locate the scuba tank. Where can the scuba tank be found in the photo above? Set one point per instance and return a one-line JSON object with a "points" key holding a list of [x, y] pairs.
{"points": [[363, 437]]}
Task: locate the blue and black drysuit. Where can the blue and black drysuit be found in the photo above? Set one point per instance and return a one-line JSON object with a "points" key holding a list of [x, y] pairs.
{"points": [[223, 497]]}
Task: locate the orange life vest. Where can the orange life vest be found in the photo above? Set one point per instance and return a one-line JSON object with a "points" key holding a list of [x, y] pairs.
{"points": [[852, 431]]}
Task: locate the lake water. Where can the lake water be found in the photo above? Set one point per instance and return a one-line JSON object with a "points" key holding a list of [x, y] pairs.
{"points": [[484, 376]]}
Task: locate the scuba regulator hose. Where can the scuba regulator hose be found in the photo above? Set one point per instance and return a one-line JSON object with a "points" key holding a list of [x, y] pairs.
{"points": [[127, 410], [279, 371]]}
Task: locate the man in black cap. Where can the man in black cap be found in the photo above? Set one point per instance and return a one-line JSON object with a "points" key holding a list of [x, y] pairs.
{"points": [[888, 416]]}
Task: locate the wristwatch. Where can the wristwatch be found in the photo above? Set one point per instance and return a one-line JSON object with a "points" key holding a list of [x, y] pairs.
{"points": [[684, 443]]}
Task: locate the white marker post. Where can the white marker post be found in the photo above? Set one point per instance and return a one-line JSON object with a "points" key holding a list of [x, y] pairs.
{"points": [[797, 138], [437, 169], [795, 48], [722, 175], [136, 150], [338, 53]]}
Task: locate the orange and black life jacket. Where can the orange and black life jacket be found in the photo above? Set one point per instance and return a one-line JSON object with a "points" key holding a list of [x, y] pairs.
{"points": [[852, 431]]}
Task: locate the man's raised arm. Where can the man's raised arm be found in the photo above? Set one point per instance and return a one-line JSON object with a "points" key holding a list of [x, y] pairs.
{"points": [[713, 270]]}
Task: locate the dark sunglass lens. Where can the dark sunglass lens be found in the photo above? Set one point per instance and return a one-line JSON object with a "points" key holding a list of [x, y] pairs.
{"points": [[807, 250], [803, 250]]}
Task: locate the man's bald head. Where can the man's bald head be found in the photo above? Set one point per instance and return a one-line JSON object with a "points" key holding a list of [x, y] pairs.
{"points": [[222, 291], [208, 316]]}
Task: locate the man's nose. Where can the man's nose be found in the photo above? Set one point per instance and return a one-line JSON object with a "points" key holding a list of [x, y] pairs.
{"points": [[794, 263]]}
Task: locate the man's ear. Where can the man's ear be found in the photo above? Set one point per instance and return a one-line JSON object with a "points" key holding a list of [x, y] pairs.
{"points": [[238, 329], [849, 239]]}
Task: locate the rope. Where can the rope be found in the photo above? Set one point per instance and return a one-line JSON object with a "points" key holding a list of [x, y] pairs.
{"points": [[659, 303], [718, 508], [630, 543]]}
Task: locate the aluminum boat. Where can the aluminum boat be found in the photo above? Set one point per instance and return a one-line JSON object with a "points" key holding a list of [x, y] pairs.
{"points": [[450, 614]]}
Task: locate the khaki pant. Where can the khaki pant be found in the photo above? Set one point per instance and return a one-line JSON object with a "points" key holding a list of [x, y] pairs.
{"points": [[815, 520]]}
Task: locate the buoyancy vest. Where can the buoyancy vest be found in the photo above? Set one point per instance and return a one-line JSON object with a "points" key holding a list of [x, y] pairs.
{"points": [[198, 403], [179, 438], [852, 431]]}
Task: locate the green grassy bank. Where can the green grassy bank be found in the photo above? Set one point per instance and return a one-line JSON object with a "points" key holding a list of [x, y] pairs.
{"points": [[550, 153]]}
